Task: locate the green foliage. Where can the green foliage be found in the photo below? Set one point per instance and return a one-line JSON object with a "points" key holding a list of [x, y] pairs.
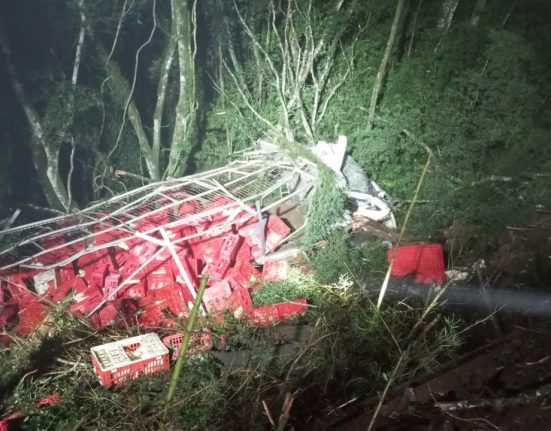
{"points": [[13, 361], [138, 404], [228, 130], [473, 101], [325, 209], [295, 285], [338, 257]]}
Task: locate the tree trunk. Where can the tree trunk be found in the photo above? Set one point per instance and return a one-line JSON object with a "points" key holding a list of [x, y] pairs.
{"points": [[446, 16], [166, 64], [45, 155], [384, 62], [184, 122], [414, 27], [120, 89], [477, 12]]}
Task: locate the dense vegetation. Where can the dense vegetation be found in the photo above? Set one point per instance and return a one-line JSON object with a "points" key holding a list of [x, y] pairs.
{"points": [[196, 82], [165, 88]]}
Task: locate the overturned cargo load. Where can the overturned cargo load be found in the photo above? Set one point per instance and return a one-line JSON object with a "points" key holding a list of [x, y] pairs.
{"points": [[137, 258]]}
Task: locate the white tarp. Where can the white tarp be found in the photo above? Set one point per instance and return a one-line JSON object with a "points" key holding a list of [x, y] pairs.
{"points": [[372, 201]]}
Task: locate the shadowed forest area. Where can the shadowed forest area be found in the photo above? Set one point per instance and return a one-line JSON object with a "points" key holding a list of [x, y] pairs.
{"points": [[98, 98]]}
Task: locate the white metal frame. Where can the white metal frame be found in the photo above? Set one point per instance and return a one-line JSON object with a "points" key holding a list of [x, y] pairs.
{"points": [[244, 182]]}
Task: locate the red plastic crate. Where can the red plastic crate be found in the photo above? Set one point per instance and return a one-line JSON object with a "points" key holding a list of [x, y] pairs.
{"points": [[108, 235], [191, 266], [66, 273], [121, 257], [240, 301], [49, 400], [120, 361], [142, 250], [31, 314], [246, 231], [264, 315], [135, 290], [127, 312], [290, 309], [57, 295], [53, 240], [218, 268], [46, 281], [161, 265], [155, 282], [230, 247], [177, 306], [200, 341], [161, 217], [87, 263], [151, 316], [106, 316], [276, 232], [424, 262], [18, 290], [87, 303], [186, 231], [208, 249], [244, 273], [216, 207], [8, 314], [111, 283], [98, 275], [216, 297], [221, 200], [186, 209], [163, 293], [105, 257], [154, 317], [271, 314], [80, 287], [244, 252]]}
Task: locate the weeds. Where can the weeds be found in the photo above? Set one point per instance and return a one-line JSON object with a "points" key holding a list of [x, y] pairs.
{"points": [[350, 350]]}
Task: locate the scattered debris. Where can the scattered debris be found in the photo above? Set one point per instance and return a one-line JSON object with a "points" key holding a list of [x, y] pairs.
{"points": [[454, 275], [136, 259], [6, 420], [369, 199]]}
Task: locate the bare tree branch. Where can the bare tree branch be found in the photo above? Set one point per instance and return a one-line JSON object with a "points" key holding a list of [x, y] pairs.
{"points": [[74, 80], [108, 59], [186, 31], [45, 155], [246, 99], [302, 74], [166, 64], [384, 62], [268, 59], [131, 111]]}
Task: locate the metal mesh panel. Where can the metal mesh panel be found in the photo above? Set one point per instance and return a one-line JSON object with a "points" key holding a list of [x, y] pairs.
{"points": [[233, 189]]}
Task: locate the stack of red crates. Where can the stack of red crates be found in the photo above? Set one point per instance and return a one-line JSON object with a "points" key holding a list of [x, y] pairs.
{"points": [[158, 294]]}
